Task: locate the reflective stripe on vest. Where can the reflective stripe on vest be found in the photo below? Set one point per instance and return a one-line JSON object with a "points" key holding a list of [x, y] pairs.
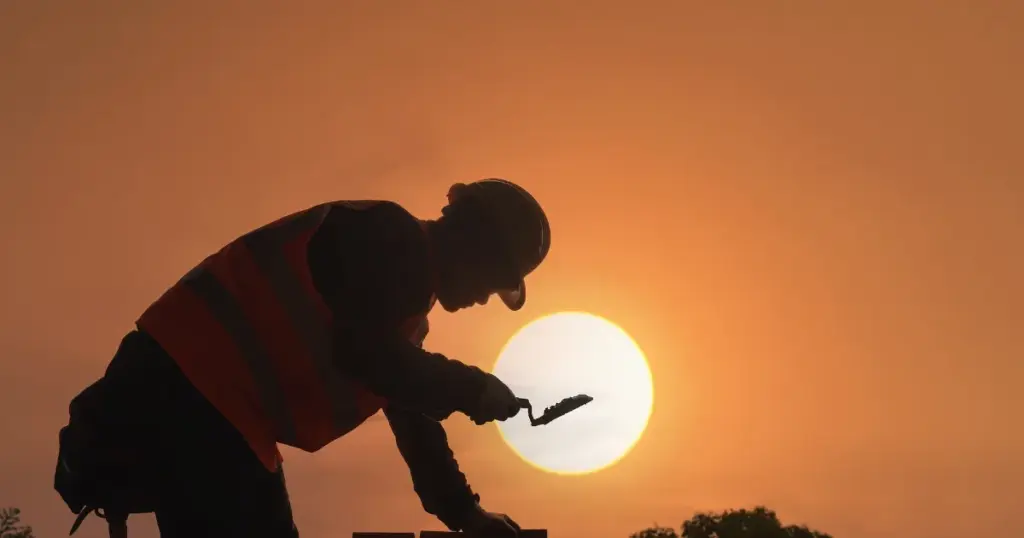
{"points": [[266, 247]]}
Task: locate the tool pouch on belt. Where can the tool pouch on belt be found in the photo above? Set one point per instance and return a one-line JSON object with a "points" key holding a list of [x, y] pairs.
{"points": [[99, 470]]}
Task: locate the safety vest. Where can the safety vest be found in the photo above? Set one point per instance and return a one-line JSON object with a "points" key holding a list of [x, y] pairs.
{"points": [[249, 330]]}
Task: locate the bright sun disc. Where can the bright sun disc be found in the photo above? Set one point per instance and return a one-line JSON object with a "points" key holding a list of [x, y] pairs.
{"points": [[567, 354]]}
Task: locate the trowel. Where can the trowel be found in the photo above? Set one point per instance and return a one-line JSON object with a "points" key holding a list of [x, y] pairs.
{"points": [[560, 409]]}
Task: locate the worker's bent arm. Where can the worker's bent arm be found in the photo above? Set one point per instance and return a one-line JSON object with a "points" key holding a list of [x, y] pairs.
{"points": [[436, 477], [407, 376]]}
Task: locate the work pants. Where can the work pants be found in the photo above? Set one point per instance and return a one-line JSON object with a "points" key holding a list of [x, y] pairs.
{"points": [[200, 474]]}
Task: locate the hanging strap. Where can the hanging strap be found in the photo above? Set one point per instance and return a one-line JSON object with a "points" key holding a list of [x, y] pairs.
{"points": [[117, 524]]}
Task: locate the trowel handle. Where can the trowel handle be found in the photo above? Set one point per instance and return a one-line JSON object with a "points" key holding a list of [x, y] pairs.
{"points": [[525, 404]]}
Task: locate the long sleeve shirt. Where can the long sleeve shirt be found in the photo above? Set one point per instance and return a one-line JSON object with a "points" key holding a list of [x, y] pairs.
{"points": [[371, 264]]}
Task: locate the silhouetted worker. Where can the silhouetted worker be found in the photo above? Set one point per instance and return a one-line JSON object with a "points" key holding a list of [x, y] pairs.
{"points": [[297, 333]]}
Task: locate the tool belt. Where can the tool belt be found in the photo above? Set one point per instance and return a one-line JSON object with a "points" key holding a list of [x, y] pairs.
{"points": [[100, 469]]}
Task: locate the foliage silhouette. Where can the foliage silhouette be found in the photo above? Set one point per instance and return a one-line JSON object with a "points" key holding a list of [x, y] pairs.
{"points": [[757, 523], [10, 524]]}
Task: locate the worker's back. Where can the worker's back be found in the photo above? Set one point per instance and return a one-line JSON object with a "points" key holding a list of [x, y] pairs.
{"points": [[252, 332]]}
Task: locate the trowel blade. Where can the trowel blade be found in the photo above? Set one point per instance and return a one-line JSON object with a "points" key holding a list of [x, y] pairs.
{"points": [[563, 408]]}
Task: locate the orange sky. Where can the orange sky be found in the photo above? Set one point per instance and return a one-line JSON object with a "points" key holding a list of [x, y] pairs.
{"points": [[810, 218]]}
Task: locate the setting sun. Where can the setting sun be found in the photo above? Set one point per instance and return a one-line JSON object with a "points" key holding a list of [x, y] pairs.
{"points": [[571, 353]]}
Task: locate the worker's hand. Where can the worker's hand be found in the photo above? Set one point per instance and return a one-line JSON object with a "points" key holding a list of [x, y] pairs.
{"points": [[483, 524], [497, 402]]}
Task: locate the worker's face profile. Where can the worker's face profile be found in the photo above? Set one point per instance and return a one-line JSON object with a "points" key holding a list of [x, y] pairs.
{"points": [[478, 267]]}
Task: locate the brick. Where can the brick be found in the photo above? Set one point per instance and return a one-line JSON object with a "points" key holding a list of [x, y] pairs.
{"points": [[525, 533]]}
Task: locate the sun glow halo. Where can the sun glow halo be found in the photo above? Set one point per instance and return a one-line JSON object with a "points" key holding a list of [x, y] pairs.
{"points": [[563, 355]]}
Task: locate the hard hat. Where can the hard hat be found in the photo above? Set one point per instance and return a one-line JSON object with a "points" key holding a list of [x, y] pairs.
{"points": [[521, 224]]}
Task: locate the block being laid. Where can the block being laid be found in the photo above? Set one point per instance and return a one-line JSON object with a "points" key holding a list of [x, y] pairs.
{"points": [[525, 533]]}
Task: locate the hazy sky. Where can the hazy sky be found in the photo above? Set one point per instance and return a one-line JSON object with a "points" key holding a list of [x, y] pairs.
{"points": [[810, 216]]}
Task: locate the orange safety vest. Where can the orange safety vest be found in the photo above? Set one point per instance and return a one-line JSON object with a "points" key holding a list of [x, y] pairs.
{"points": [[249, 330]]}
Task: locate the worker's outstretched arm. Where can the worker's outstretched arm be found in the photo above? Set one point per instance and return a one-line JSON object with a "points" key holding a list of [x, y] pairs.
{"points": [[407, 376], [436, 477], [371, 265]]}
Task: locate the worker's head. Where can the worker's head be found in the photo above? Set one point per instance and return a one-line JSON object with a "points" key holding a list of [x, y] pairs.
{"points": [[490, 236]]}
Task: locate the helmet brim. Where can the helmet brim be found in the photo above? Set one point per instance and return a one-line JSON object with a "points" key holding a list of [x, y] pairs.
{"points": [[514, 299]]}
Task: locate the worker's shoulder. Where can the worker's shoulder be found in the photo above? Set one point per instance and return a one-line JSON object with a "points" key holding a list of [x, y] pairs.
{"points": [[382, 218], [378, 208]]}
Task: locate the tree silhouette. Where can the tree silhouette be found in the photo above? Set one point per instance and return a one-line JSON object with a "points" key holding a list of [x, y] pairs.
{"points": [[757, 523], [10, 524]]}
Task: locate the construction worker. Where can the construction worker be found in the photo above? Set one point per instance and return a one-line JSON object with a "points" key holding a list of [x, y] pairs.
{"points": [[297, 333]]}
